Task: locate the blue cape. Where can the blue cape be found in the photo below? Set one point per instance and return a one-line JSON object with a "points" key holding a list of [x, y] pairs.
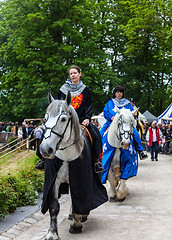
{"points": [[128, 163]]}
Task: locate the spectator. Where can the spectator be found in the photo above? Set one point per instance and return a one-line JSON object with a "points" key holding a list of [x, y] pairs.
{"points": [[167, 143], [153, 138], [38, 133], [32, 143], [146, 127], [8, 128], [163, 130], [162, 144], [25, 131], [20, 132]]}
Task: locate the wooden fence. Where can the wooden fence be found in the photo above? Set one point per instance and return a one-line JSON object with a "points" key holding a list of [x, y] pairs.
{"points": [[16, 145]]}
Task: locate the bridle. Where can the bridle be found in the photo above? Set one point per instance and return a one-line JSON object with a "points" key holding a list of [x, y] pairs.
{"points": [[61, 136], [122, 132]]}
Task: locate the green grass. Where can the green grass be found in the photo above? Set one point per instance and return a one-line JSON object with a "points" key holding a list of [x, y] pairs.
{"points": [[15, 161]]}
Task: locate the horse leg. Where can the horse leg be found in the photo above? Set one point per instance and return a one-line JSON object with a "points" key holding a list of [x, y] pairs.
{"points": [[122, 190], [54, 208], [71, 216], [53, 230], [113, 176], [76, 226]]}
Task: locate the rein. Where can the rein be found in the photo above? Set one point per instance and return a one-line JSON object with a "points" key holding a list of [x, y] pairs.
{"points": [[87, 133]]}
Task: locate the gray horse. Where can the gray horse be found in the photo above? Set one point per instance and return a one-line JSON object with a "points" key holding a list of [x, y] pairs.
{"points": [[65, 142], [119, 137]]}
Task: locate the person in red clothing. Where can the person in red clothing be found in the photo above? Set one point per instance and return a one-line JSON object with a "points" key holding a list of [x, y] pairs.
{"points": [[82, 103], [153, 138]]}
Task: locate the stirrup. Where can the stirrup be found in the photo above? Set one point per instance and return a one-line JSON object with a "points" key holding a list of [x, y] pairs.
{"points": [[98, 167], [143, 155]]}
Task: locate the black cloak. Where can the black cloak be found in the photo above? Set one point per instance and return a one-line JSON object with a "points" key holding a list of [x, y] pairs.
{"points": [[87, 191]]}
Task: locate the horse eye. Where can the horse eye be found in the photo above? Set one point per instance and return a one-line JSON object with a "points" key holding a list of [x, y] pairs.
{"points": [[63, 119]]}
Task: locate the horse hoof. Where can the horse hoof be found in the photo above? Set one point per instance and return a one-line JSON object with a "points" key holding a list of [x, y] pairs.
{"points": [[113, 199], [84, 219], [70, 217], [52, 237], [75, 230], [121, 200]]}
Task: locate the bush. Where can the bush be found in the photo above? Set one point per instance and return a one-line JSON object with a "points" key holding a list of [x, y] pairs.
{"points": [[20, 190], [35, 177], [8, 197]]}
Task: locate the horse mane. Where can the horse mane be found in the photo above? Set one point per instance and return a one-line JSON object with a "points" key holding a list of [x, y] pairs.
{"points": [[76, 126], [54, 109]]}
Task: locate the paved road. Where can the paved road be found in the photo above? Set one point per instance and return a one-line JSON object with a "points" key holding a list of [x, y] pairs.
{"points": [[146, 213]]}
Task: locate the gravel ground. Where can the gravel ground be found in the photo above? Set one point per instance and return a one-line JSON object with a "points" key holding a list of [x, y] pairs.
{"points": [[146, 213]]}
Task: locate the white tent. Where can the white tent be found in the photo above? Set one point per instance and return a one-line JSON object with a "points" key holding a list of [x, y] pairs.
{"points": [[149, 116], [166, 115]]}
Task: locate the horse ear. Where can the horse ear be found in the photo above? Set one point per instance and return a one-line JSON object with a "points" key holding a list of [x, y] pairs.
{"points": [[68, 98], [117, 109], [50, 98]]}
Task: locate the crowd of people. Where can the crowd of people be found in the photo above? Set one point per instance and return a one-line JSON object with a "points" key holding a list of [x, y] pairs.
{"points": [[24, 131], [165, 137]]}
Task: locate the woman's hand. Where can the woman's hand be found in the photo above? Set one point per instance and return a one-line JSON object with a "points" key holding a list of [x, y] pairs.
{"points": [[86, 122]]}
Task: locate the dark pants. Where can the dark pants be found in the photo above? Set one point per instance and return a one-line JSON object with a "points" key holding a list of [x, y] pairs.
{"points": [[38, 142], [97, 141], [154, 150]]}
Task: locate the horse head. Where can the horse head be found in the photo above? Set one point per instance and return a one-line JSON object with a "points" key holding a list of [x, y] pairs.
{"points": [[121, 129], [62, 130]]}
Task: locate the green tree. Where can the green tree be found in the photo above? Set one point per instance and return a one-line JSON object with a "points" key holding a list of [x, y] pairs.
{"points": [[147, 52], [114, 42]]}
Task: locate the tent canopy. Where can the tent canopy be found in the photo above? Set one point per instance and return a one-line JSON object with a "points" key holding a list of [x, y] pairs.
{"points": [[166, 115], [149, 116]]}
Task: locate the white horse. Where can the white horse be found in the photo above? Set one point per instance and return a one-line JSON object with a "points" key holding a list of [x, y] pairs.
{"points": [[118, 136], [65, 140]]}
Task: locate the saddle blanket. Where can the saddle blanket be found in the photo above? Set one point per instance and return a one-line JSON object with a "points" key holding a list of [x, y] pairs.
{"points": [[128, 161]]}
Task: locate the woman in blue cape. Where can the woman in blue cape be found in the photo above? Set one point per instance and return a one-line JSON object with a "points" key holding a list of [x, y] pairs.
{"points": [[129, 162]]}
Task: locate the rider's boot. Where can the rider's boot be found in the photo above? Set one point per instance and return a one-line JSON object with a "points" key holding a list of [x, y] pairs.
{"points": [[143, 155], [40, 165], [98, 166]]}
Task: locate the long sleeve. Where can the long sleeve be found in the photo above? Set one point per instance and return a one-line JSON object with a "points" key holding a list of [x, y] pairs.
{"points": [[108, 111], [88, 107]]}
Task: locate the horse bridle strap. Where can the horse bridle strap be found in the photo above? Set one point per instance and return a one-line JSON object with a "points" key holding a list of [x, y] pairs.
{"points": [[124, 132], [87, 133], [62, 135]]}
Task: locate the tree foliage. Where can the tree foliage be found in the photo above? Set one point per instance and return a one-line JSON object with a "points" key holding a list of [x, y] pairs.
{"points": [[114, 42]]}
